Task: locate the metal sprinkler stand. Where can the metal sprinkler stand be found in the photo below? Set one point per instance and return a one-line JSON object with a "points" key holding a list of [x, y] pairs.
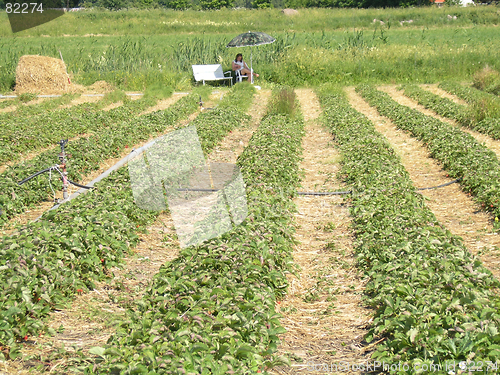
{"points": [[61, 169], [62, 158]]}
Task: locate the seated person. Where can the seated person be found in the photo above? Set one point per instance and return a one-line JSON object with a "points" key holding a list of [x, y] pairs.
{"points": [[241, 66]]}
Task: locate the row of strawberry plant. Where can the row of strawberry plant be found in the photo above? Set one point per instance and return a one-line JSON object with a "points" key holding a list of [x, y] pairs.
{"points": [[229, 114], [87, 153], [435, 302], [6, 103], [448, 108], [470, 94], [23, 134], [459, 152], [34, 109], [212, 310], [483, 107], [50, 261], [71, 247]]}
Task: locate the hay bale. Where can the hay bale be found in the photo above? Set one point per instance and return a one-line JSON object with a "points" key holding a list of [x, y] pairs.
{"points": [[41, 74], [289, 12], [101, 87]]}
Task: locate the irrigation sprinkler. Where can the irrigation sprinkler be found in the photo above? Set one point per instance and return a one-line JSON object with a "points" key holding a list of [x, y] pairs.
{"points": [[59, 168]]}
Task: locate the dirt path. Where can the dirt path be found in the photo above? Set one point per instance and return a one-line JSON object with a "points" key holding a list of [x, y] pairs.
{"points": [[32, 214], [162, 104], [234, 143], [10, 108], [439, 91], [492, 144], [90, 320], [322, 313], [112, 106], [452, 207], [82, 99]]}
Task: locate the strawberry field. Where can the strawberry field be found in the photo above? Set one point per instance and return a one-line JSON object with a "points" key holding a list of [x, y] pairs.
{"points": [[226, 305]]}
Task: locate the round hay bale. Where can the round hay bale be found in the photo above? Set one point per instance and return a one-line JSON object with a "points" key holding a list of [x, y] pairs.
{"points": [[289, 12], [41, 74]]}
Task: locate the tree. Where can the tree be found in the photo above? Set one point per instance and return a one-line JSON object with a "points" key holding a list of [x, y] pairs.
{"points": [[112, 4], [216, 4]]}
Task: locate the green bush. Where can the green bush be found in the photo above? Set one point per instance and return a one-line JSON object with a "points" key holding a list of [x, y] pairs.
{"points": [[216, 4], [262, 4], [176, 4], [27, 97], [112, 4]]}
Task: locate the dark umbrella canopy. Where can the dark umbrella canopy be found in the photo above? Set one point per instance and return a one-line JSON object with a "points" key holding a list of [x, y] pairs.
{"points": [[251, 39]]}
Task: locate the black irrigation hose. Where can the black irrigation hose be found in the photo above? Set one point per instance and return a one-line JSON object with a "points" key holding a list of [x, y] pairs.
{"points": [[214, 190], [349, 192], [324, 193], [198, 189], [80, 186], [34, 175], [335, 192], [443, 185]]}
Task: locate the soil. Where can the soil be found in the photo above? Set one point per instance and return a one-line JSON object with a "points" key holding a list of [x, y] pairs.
{"points": [[90, 320], [453, 208], [162, 104], [323, 313], [438, 91], [492, 144], [234, 143]]}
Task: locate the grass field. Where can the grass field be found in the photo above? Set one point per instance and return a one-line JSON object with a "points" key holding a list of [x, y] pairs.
{"points": [[342, 46]]}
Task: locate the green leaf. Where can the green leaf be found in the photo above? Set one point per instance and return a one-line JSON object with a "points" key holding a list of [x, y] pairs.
{"points": [[97, 350]]}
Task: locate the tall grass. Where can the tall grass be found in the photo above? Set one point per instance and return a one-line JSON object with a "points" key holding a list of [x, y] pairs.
{"points": [[363, 52], [487, 80], [284, 102], [170, 22]]}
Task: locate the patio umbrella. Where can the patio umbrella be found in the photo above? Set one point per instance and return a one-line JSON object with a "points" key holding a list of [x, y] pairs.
{"points": [[251, 39]]}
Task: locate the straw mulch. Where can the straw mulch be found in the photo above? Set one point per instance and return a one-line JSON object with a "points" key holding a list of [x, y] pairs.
{"points": [[435, 89], [233, 144], [492, 144], [323, 314], [453, 208], [32, 214], [89, 321]]}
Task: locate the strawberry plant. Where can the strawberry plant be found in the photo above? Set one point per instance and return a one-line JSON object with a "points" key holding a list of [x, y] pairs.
{"points": [[212, 310], [448, 108], [7, 103], [470, 94], [214, 124], [31, 110], [68, 249], [458, 152], [434, 301], [21, 133], [86, 155], [51, 260]]}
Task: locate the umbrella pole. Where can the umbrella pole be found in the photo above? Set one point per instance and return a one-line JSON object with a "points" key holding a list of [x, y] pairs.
{"points": [[251, 65]]}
